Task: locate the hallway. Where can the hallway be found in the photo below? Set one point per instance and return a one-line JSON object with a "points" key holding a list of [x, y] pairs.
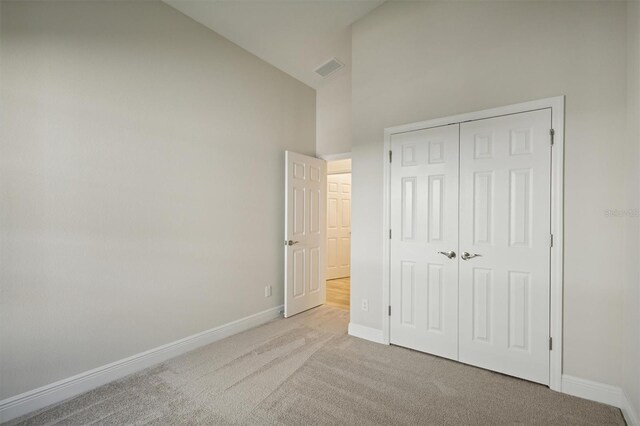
{"points": [[338, 292]]}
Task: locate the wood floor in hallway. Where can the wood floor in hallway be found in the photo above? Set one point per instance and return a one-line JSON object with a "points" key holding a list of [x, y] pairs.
{"points": [[338, 291]]}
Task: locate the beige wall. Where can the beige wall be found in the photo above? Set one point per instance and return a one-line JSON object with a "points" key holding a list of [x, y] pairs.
{"points": [[137, 148], [339, 166], [333, 106], [631, 317], [415, 61]]}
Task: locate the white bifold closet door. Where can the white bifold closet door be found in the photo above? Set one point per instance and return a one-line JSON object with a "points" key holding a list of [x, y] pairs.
{"points": [[424, 221], [481, 190], [505, 216]]}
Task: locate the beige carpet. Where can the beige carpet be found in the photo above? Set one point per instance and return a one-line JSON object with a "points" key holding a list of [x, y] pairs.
{"points": [[306, 370]]}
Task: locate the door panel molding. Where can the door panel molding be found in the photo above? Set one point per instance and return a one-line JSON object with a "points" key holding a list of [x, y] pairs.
{"points": [[304, 232], [338, 232], [483, 148], [425, 196], [519, 253]]}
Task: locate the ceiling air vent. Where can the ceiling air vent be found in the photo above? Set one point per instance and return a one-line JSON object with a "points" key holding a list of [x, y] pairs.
{"points": [[329, 68]]}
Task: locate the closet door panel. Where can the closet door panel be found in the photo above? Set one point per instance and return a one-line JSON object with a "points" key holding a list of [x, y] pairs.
{"points": [[424, 221], [505, 219]]}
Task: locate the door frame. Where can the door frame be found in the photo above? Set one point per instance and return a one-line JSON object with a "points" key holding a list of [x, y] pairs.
{"points": [[333, 157], [556, 104]]}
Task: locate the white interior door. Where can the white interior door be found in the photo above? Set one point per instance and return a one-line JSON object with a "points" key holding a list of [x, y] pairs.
{"points": [[424, 226], [305, 224], [338, 225], [505, 178]]}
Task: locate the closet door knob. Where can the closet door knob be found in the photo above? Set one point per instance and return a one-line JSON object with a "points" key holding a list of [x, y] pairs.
{"points": [[467, 256], [449, 254]]}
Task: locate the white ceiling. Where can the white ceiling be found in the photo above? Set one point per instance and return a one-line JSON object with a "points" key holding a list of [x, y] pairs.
{"points": [[295, 36]]}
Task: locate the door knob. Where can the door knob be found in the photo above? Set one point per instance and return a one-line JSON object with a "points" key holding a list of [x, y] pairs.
{"points": [[467, 256], [449, 254], [290, 243]]}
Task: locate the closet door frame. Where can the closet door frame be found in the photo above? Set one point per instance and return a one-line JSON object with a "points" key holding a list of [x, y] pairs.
{"points": [[556, 104]]}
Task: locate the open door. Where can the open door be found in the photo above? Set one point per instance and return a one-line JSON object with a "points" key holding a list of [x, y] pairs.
{"points": [[338, 225], [304, 232]]}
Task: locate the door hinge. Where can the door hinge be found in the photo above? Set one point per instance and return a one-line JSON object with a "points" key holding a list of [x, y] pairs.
{"points": [[389, 233], [389, 310], [552, 133], [390, 156], [550, 343], [551, 241]]}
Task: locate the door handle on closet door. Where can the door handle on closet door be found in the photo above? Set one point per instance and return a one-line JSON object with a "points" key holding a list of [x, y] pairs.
{"points": [[467, 256], [449, 254]]}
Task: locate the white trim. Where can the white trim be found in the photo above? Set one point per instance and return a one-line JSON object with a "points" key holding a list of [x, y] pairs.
{"points": [[478, 115], [557, 251], [600, 392], [333, 157], [557, 213], [630, 414], [367, 333], [386, 246], [593, 391], [36, 399]]}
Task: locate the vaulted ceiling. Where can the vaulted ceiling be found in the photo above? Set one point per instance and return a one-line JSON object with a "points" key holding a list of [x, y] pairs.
{"points": [[294, 36]]}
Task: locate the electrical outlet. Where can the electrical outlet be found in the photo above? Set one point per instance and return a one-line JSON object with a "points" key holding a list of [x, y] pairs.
{"points": [[267, 291], [365, 304]]}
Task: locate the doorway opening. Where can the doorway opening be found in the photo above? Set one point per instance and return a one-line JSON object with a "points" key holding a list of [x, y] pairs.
{"points": [[338, 265]]}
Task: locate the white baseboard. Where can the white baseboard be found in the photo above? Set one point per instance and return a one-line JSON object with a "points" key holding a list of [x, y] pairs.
{"points": [[366, 333], [594, 391], [36, 399], [630, 414], [600, 392]]}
